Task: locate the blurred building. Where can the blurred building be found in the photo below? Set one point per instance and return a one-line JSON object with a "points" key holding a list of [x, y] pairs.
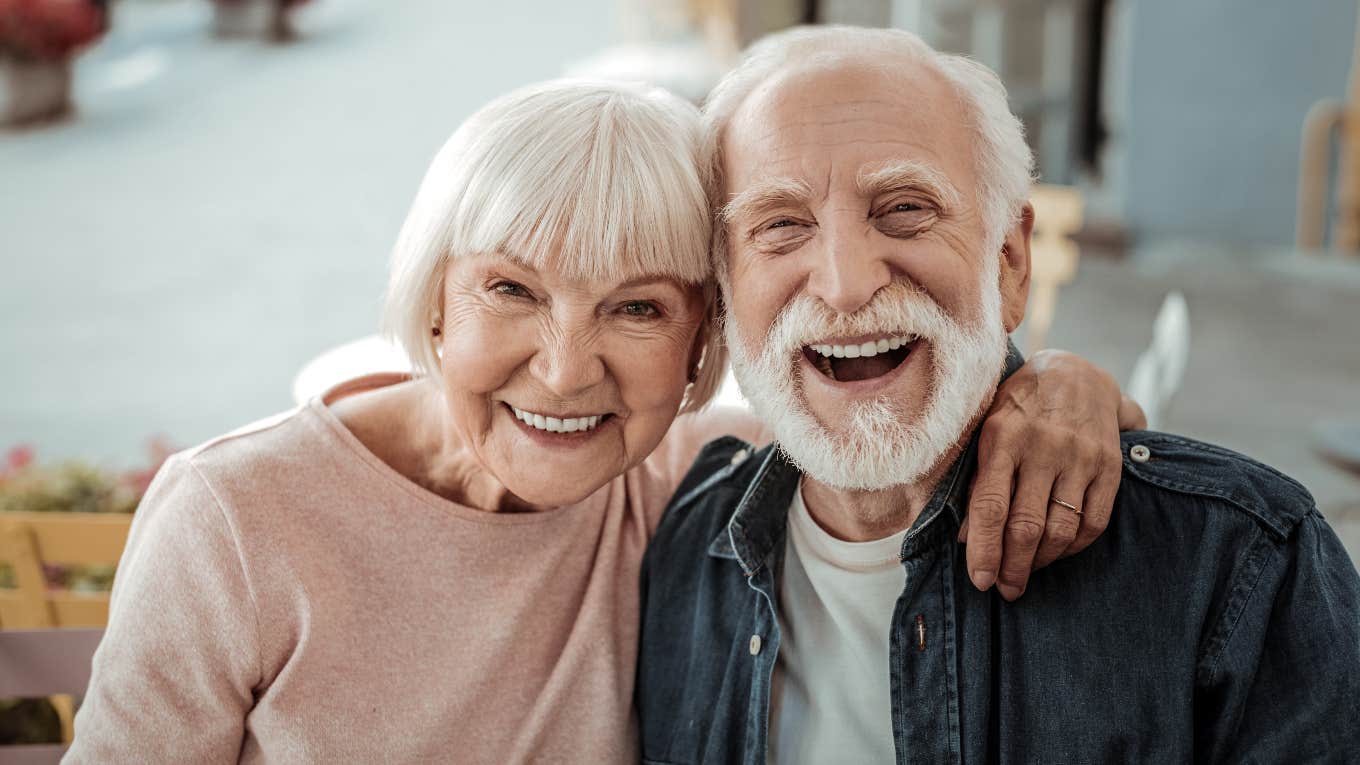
{"points": [[1180, 120]]}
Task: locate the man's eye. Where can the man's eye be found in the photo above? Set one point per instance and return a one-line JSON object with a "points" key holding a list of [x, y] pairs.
{"points": [[641, 309], [781, 223], [509, 289], [906, 207]]}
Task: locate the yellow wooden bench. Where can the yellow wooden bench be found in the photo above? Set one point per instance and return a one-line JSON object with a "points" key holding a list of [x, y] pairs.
{"points": [[30, 540]]}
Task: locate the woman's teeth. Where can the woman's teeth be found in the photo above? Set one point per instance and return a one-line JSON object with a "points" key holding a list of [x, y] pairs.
{"points": [[864, 350], [557, 424]]}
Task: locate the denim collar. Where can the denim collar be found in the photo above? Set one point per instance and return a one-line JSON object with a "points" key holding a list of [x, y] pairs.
{"points": [[754, 534]]}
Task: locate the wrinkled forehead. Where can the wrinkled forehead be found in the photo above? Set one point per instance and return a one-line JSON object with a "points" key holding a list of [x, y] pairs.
{"points": [[824, 120]]}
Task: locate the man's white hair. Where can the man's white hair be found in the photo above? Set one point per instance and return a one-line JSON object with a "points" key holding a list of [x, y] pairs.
{"points": [[1004, 163], [597, 180]]}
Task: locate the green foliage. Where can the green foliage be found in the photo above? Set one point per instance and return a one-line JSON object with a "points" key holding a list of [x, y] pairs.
{"points": [[70, 488]]}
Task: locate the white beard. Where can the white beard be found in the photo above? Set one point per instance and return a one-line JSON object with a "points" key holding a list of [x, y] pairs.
{"points": [[879, 446]]}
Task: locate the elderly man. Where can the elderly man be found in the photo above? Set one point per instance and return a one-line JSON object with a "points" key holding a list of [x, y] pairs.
{"points": [[811, 603]]}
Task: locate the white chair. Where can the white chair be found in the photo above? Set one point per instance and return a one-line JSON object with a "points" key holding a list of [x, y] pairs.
{"points": [[359, 358], [1159, 370]]}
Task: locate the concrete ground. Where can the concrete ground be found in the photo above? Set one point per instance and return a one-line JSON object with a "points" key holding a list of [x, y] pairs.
{"points": [[219, 213]]}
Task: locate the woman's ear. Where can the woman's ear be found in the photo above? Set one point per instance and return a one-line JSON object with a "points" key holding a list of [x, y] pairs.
{"points": [[697, 351], [1015, 269]]}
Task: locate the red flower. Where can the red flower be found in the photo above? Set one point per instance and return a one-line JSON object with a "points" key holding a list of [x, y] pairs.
{"points": [[17, 459]]}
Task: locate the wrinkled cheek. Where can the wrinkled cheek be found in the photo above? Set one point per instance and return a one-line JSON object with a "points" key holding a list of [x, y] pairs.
{"points": [[477, 360]]}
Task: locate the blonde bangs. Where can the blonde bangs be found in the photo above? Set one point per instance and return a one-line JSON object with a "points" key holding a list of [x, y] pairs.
{"points": [[607, 188]]}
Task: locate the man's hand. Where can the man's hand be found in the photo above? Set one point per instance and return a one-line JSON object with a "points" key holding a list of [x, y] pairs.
{"points": [[1052, 434]]}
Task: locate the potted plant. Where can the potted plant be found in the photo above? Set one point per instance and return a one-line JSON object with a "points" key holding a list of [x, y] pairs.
{"points": [[73, 487], [38, 39], [268, 19]]}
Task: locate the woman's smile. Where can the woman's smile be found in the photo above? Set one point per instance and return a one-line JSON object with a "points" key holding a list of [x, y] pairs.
{"points": [[558, 430]]}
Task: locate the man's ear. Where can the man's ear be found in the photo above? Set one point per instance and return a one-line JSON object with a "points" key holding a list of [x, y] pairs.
{"points": [[1015, 269]]}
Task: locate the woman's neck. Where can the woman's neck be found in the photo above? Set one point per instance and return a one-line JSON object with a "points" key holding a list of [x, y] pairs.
{"points": [[407, 427]]}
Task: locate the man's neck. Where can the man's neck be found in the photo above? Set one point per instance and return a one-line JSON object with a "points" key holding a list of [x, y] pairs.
{"points": [[863, 516]]}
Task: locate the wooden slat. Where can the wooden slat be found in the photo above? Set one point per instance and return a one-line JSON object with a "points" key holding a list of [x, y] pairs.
{"points": [[74, 539], [29, 607], [68, 609], [80, 609]]}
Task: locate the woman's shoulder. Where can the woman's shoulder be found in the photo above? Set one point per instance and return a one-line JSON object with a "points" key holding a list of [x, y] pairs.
{"points": [[272, 446]]}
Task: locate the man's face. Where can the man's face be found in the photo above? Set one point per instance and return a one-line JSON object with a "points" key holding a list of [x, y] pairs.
{"points": [[866, 311]]}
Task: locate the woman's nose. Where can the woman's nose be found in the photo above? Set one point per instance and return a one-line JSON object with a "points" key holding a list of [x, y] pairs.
{"points": [[848, 271], [568, 366]]}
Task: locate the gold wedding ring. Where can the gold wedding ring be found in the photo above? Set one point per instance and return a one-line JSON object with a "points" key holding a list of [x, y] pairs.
{"points": [[1067, 505]]}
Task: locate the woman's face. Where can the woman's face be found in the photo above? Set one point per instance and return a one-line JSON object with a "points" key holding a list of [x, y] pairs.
{"points": [[556, 384]]}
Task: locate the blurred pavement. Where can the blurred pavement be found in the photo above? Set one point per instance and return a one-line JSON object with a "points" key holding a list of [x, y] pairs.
{"points": [[218, 213]]}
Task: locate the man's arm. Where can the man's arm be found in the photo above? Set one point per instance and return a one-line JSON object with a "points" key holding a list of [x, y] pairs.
{"points": [[1284, 684]]}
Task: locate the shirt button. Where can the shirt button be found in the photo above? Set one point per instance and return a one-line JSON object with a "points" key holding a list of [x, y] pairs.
{"points": [[1140, 453], [755, 644], [739, 457]]}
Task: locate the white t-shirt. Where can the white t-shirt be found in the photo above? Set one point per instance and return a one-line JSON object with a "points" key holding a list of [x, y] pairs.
{"points": [[831, 700]]}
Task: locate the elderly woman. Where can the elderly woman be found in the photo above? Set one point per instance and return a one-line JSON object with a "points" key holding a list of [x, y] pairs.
{"points": [[446, 567]]}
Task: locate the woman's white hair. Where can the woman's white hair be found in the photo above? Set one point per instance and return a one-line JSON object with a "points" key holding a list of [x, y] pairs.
{"points": [[598, 180], [1005, 165]]}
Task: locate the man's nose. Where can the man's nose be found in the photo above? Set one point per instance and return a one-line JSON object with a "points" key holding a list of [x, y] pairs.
{"points": [[848, 271], [569, 364]]}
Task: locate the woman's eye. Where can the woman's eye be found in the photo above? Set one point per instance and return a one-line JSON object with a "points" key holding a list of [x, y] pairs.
{"points": [[641, 309], [509, 289]]}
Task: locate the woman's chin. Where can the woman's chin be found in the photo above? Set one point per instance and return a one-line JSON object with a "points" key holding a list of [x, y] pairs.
{"points": [[540, 496]]}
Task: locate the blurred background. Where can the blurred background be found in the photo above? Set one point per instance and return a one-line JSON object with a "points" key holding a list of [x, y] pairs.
{"points": [[197, 199]]}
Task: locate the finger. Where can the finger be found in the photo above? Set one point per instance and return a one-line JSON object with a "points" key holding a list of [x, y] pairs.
{"points": [[1130, 414], [963, 530], [1024, 529], [1099, 505], [1063, 524], [988, 505]]}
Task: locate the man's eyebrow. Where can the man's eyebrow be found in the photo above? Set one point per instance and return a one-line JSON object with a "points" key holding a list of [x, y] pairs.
{"points": [[767, 192], [906, 174]]}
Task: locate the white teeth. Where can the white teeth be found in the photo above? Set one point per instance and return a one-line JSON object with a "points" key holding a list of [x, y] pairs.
{"points": [[557, 424], [871, 348]]}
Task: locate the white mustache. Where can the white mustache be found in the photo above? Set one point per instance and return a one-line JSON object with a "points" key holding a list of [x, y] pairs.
{"points": [[897, 309]]}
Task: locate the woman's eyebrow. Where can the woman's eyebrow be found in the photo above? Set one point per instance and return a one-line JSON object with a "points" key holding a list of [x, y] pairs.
{"points": [[764, 194], [900, 175], [645, 281]]}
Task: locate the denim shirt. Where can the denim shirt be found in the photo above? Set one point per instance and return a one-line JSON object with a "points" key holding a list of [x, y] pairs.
{"points": [[1217, 619]]}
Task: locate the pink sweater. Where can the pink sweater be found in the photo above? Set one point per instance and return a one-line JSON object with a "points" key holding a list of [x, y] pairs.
{"points": [[285, 596]]}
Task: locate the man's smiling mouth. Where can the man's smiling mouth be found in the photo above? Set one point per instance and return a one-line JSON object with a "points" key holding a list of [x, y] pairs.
{"points": [[860, 358]]}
